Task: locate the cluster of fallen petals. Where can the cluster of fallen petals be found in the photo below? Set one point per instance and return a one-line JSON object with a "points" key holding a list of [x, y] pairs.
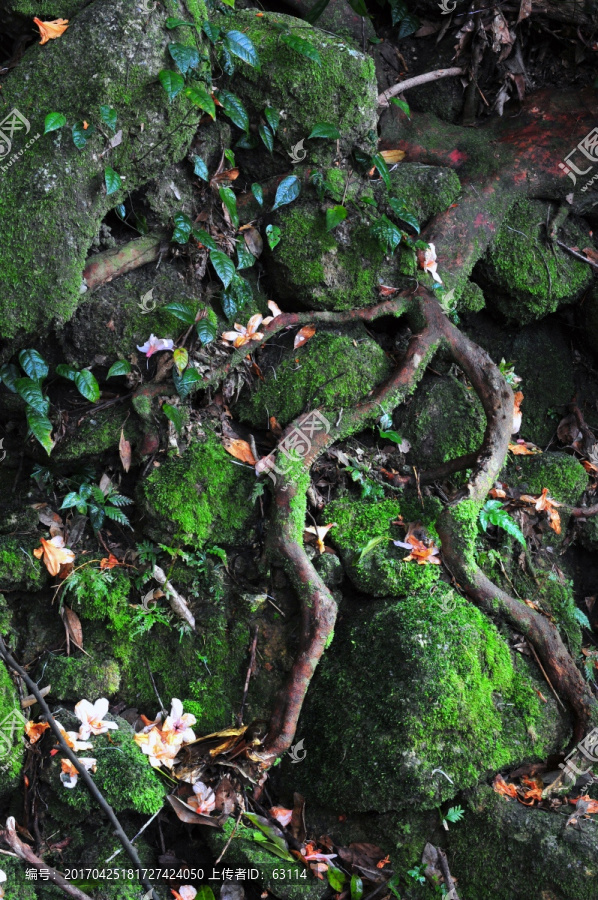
{"points": [[544, 503], [530, 793], [423, 549], [162, 741], [245, 334], [427, 261], [154, 344]]}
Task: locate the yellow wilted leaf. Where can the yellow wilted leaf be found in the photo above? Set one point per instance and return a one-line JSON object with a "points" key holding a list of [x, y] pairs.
{"points": [[240, 450], [55, 554], [391, 157]]}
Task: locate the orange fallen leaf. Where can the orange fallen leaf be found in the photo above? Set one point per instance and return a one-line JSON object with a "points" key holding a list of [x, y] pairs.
{"points": [[590, 253], [589, 467], [229, 175], [385, 290], [240, 450], [275, 427], [518, 399], [392, 156], [541, 695], [497, 493], [34, 730], [54, 553], [51, 30], [304, 335], [502, 787], [109, 562], [543, 503], [523, 448]]}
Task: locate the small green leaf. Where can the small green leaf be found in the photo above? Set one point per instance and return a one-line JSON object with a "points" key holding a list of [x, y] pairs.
{"points": [[360, 8], [240, 45], [212, 32], [41, 428], [185, 57], [200, 97], [301, 46], [336, 878], [9, 374], [108, 117], [380, 164], [182, 311], [122, 367], [223, 266], [33, 364], [200, 169], [356, 888], [205, 892], [402, 212], [186, 382], [172, 22], [227, 195], [80, 134], [112, 180], [402, 104], [181, 359], [230, 307], [31, 393], [182, 228], [582, 618], [492, 513], [370, 545], [256, 190], [391, 436], [266, 136], [272, 117], [288, 190], [233, 107], [66, 371], [230, 157], [335, 216], [174, 414], [206, 331], [204, 238], [387, 233], [53, 122], [87, 385], [245, 258], [323, 130], [273, 235], [172, 82]]}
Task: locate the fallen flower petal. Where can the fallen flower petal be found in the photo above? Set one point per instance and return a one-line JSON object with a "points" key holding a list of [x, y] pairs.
{"points": [[70, 773], [518, 399], [153, 344], [34, 730], [204, 800], [109, 562], [55, 554], [502, 787], [320, 532], [180, 723], [282, 815], [186, 892], [427, 261], [51, 30], [91, 717]]}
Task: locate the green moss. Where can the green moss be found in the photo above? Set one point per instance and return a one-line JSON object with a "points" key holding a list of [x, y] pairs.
{"points": [[533, 280], [563, 475], [425, 190], [101, 595], [331, 372], [446, 694], [19, 570], [98, 432], [47, 9], [16, 886], [200, 494], [382, 570], [73, 678], [11, 734]]}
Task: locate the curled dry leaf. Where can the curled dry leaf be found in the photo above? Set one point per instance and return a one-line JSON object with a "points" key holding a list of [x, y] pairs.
{"points": [[109, 562], [240, 450], [304, 335], [253, 240], [502, 787], [523, 448], [543, 503], [391, 157], [54, 554], [124, 451], [74, 630]]}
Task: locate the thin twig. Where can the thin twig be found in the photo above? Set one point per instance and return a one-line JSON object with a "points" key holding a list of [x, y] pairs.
{"points": [[177, 602], [416, 81], [543, 670], [162, 707], [446, 874], [249, 673], [84, 774], [232, 834], [576, 254]]}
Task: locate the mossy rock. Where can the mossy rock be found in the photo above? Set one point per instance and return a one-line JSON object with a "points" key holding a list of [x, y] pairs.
{"points": [[425, 683], [44, 9], [11, 734], [17, 886], [529, 280], [444, 420], [73, 677], [563, 475], [378, 569], [341, 91], [200, 495], [323, 269], [500, 839], [19, 570], [98, 432], [331, 371], [53, 195], [425, 190]]}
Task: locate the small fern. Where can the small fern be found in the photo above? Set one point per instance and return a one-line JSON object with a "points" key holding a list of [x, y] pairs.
{"points": [[493, 513], [90, 500]]}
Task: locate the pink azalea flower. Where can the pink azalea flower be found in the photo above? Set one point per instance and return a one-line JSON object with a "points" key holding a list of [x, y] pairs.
{"points": [[153, 344]]}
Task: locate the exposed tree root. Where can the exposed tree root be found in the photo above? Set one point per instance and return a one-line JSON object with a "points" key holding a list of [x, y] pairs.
{"points": [[103, 267], [426, 78]]}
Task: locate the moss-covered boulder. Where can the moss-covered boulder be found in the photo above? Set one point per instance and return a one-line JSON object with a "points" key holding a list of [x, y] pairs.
{"points": [[53, 195], [19, 570], [331, 371], [44, 9], [74, 677], [529, 279], [17, 886], [432, 700], [11, 734], [563, 475], [425, 190], [499, 838]]}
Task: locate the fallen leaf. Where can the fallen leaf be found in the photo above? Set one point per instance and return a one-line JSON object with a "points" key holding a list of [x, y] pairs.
{"points": [[304, 335], [543, 503], [534, 792], [34, 730], [523, 448], [497, 493], [229, 175], [188, 815], [518, 400], [383, 862], [386, 290], [124, 451], [591, 805], [525, 10], [74, 630], [501, 787], [591, 253], [391, 157], [51, 30], [109, 562], [275, 427], [589, 467], [282, 815], [253, 240], [54, 554], [240, 450]]}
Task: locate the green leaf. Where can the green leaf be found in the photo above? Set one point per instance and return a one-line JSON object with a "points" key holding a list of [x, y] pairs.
{"points": [[230, 157], [240, 45], [241, 290], [31, 392], [205, 892], [227, 195], [70, 500], [204, 238], [172, 22], [87, 385], [108, 117], [246, 142], [230, 307], [335, 216], [302, 46], [9, 374], [223, 266], [245, 258], [182, 311], [117, 515], [371, 544], [200, 97], [182, 228], [360, 8], [408, 26], [172, 82], [582, 618], [356, 888], [174, 414], [80, 134], [122, 367], [226, 60], [112, 180], [316, 11], [41, 428], [336, 878], [233, 107], [256, 190], [206, 331], [323, 130], [66, 371], [33, 364], [391, 436], [186, 382], [53, 122], [387, 233], [402, 104], [273, 235], [455, 814], [492, 513], [272, 117], [266, 136], [287, 191], [185, 57], [401, 212], [200, 169], [380, 164], [212, 32]]}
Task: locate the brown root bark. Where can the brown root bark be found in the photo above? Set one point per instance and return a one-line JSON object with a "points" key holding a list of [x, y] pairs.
{"points": [[103, 267]]}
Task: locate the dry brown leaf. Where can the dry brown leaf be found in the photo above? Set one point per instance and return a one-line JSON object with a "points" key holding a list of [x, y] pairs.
{"points": [[124, 451], [54, 554], [523, 448], [240, 450], [253, 240], [34, 730], [188, 815], [48, 517], [589, 467], [385, 290], [525, 10], [223, 177], [591, 253], [74, 630], [304, 335], [391, 157], [501, 787]]}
